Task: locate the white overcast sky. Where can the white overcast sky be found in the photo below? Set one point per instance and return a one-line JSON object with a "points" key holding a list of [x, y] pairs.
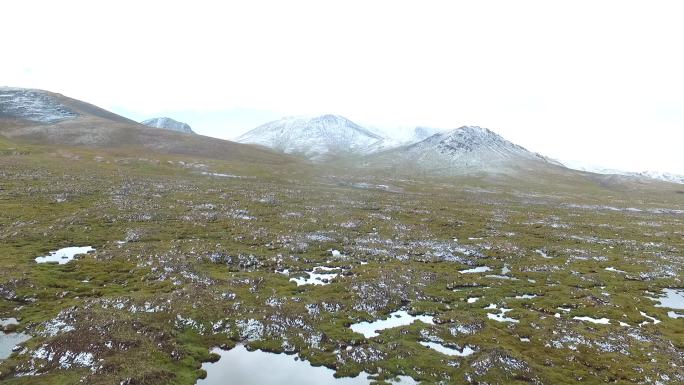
{"points": [[600, 82]]}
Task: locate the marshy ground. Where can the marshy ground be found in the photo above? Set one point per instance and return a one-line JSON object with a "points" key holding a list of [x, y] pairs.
{"points": [[192, 254]]}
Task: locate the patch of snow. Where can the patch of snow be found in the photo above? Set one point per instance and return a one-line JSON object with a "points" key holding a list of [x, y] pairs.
{"points": [[221, 175], [601, 321], [654, 320], [543, 254], [526, 296], [251, 329]]}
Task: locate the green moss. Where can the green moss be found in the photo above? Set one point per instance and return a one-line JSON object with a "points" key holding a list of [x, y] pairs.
{"points": [[163, 299]]}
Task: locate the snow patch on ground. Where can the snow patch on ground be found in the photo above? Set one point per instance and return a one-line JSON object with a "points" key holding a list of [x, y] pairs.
{"points": [[601, 321]]}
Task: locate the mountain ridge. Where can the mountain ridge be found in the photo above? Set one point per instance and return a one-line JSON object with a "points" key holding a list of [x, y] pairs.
{"points": [[42, 117]]}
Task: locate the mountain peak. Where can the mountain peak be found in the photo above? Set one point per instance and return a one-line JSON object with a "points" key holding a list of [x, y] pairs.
{"points": [[314, 137], [475, 131], [471, 138], [169, 124], [463, 150]]}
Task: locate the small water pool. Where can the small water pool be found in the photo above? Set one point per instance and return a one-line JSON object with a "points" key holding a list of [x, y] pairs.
{"points": [[396, 319], [241, 367], [64, 255]]}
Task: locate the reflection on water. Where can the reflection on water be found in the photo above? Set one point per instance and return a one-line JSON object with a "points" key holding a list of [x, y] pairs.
{"points": [[239, 366], [64, 255], [398, 318]]}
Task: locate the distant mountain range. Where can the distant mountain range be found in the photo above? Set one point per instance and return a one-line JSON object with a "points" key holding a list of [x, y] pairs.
{"points": [[464, 150], [44, 117], [468, 149], [663, 176], [326, 136], [169, 124], [460, 151]]}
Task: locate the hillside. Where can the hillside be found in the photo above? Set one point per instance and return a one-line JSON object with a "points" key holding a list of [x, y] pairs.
{"points": [[42, 117]]}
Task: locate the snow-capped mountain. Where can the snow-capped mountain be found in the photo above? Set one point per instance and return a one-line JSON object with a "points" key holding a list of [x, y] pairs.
{"points": [[315, 137], [664, 176], [32, 105], [467, 149], [168, 124], [46, 118], [657, 175]]}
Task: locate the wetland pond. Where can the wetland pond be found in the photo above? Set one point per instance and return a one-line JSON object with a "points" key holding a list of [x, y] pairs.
{"points": [[9, 340], [398, 318], [673, 299], [64, 255], [240, 366]]}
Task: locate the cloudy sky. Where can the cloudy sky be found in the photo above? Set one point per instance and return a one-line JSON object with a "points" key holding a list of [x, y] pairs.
{"points": [[599, 82]]}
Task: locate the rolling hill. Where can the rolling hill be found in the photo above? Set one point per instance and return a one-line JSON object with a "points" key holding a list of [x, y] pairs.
{"points": [[42, 117]]}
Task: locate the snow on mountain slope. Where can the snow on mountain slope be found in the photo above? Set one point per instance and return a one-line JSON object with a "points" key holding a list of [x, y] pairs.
{"points": [[466, 149], [168, 124], [656, 175], [32, 105], [315, 137], [46, 118], [664, 176]]}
